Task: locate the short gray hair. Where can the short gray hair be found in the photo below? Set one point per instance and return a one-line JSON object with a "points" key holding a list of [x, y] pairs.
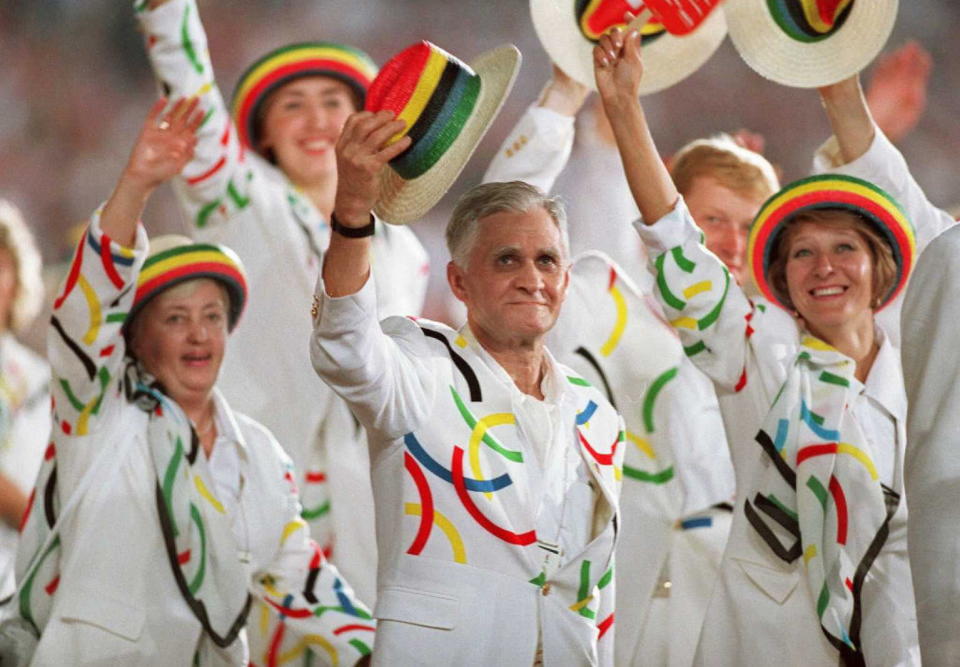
{"points": [[15, 236], [490, 198]]}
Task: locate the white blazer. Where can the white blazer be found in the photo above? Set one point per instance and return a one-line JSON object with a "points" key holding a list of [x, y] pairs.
{"points": [[113, 599], [462, 578]]}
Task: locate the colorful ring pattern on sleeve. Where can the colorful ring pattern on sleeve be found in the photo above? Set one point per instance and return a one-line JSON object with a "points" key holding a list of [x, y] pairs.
{"points": [[435, 93], [833, 191], [172, 266], [344, 63], [810, 20]]}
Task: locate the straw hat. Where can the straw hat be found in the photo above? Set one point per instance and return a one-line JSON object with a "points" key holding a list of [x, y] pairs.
{"points": [[569, 29], [809, 43], [832, 191], [448, 106], [175, 259], [338, 61]]}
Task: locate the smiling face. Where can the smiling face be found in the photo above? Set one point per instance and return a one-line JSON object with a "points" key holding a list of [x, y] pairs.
{"points": [[829, 273], [301, 123], [180, 336], [725, 217], [515, 278]]}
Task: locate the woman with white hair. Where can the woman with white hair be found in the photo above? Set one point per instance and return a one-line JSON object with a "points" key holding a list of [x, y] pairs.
{"points": [[24, 382]]}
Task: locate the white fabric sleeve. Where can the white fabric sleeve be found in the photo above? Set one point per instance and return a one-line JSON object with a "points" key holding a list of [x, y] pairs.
{"points": [[931, 364], [385, 374], [536, 151]]}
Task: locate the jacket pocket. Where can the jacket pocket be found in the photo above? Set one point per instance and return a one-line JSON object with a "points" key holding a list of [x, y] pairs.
{"points": [[409, 605], [777, 584], [97, 607]]}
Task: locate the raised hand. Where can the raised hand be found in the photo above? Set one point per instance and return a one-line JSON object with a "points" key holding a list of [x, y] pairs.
{"points": [[362, 151], [165, 144], [617, 65], [897, 94], [162, 149]]}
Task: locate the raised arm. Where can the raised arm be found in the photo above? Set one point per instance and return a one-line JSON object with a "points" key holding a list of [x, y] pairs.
{"points": [[214, 182], [619, 70], [705, 306], [537, 149], [386, 379], [85, 341]]}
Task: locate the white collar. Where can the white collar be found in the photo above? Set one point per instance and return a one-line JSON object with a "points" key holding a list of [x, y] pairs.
{"points": [[552, 386], [885, 382]]}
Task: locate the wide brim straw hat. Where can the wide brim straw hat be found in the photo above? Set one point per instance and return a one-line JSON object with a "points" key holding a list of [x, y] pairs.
{"points": [[281, 66], [809, 43], [667, 59], [174, 259], [448, 107], [831, 191]]}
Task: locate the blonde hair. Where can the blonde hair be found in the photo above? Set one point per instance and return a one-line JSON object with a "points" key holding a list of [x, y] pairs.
{"points": [[884, 264], [741, 170], [17, 239]]}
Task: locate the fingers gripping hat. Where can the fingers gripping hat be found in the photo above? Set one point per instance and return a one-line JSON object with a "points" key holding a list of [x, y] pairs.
{"points": [[569, 29], [448, 106], [175, 259], [831, 191], [338, 61], [809, 43]]}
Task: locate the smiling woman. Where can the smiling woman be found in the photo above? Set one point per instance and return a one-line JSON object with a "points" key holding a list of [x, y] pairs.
{"points": [[196, 514]]}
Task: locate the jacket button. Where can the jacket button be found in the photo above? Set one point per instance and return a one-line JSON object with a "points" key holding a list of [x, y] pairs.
{"points": [[545, 589]]}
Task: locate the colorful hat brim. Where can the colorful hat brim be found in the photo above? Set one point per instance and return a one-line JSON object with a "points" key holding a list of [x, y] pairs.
{"points": [[772, 53], [403, 201], [192, 262], [667, 60], [832, 191]]}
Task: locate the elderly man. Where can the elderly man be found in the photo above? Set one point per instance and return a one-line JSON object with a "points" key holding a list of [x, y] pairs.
{"points": [[496, 470]]}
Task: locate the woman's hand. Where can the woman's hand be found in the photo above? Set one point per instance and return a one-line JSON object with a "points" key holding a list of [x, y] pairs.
{"points": [[162, 149], [362, 151], [617, 66], [165, 145]]}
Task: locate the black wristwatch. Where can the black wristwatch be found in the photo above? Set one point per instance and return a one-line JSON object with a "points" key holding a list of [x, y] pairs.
{"points": [[352, 232]]}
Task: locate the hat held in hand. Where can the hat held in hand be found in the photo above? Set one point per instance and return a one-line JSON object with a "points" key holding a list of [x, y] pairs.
{"points": [[809, 43], [677, 39], [448, 106]]}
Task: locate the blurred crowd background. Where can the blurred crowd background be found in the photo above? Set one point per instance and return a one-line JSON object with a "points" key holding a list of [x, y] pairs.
{"points": [[75, 85]]}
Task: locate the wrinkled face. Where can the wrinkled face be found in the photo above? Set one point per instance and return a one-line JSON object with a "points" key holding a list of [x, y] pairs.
{"points": [[301, 125], [8, 287], [829, 273], [180, 337], [725, 218], [516, 277]]}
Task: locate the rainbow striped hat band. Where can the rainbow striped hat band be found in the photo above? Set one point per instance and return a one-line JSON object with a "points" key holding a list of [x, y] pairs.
{"points": [[435, 93], [448, 106], [345, 63], [809, 43], [176, 259], [832, 191]]}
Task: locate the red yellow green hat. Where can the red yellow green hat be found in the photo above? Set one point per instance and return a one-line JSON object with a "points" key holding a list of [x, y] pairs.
{"points": [[448, 106], [338, 61], [831, 191], [175, 259]]}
